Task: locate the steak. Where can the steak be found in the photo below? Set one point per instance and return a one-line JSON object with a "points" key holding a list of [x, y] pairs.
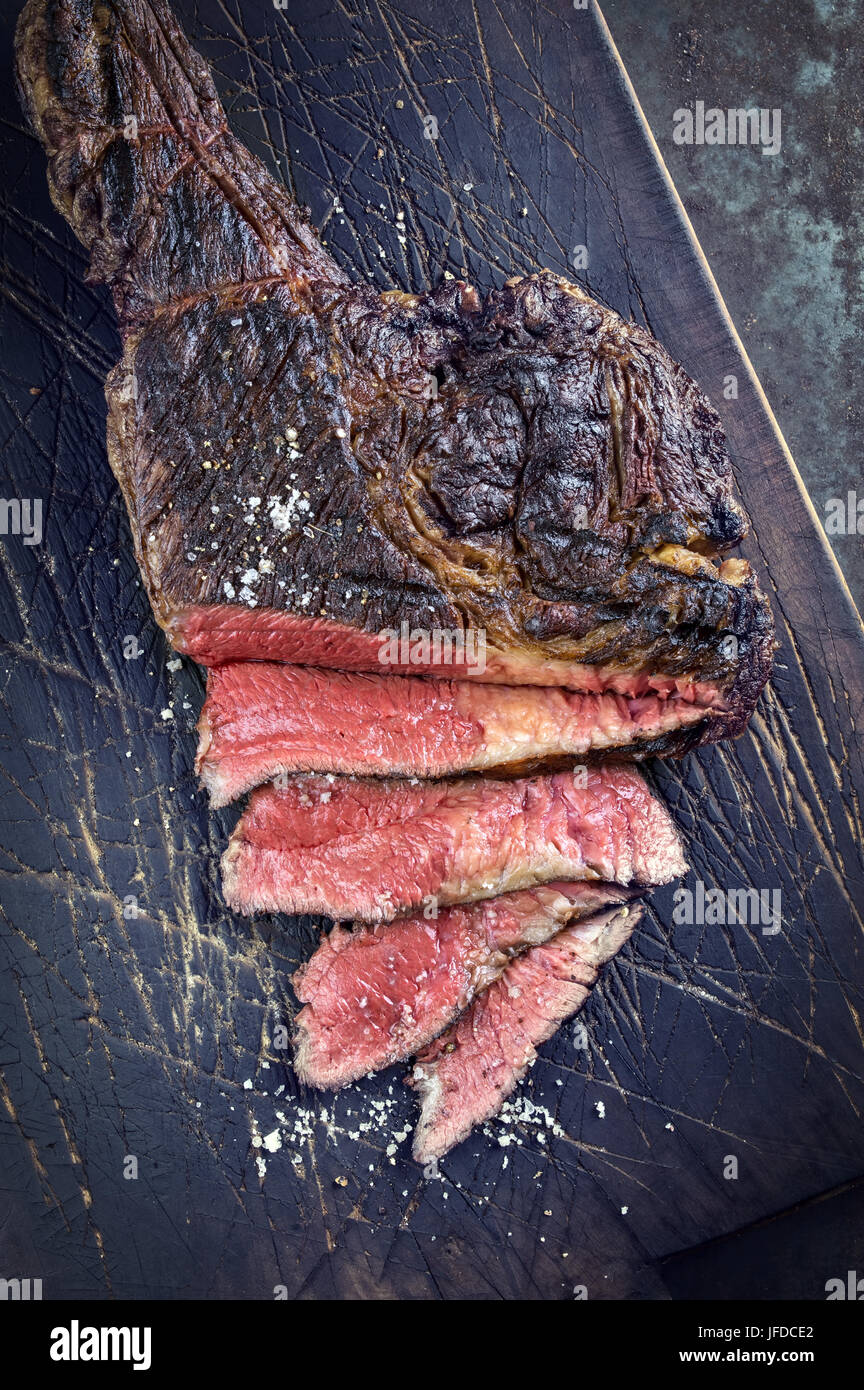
{"points": [[309, 464], [464, 1077], [372, 850], [376, 995], [263, 719]]}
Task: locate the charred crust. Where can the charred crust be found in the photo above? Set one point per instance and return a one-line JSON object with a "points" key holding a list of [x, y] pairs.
{"points": [[510, 464]]}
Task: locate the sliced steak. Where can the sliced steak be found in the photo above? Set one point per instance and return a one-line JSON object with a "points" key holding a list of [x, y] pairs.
{"points": [[370, 850], [464, 1077], [376, 995], [263, 719], [308, 464]]}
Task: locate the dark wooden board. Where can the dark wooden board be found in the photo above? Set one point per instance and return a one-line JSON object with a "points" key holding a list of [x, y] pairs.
{"points": [[134, 1035]]}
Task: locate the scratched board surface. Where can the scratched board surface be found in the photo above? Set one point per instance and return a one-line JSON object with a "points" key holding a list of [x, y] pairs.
{"points": [[154, 1140]]}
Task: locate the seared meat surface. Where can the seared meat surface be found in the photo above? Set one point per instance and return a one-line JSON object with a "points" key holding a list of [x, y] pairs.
{"points": [[307, 463], [321, 478]]}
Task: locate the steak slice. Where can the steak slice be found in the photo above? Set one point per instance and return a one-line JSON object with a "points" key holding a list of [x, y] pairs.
{"points": [[309, 464], [464, 1077], [263, 719], [376, 995], [360, 848]]}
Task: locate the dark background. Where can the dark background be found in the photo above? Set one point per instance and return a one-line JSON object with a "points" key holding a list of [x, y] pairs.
{"points": [[149, 1035], [782, 234], [783, 239]]}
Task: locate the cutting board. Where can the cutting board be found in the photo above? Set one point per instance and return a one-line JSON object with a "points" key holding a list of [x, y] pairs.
{"points": [[155, 1141]]}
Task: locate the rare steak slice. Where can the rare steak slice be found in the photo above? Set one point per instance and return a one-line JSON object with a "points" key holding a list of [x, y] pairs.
{"points": [[376, 995], [311, 467], [465, 1076], [263, 719], [372, 850]]}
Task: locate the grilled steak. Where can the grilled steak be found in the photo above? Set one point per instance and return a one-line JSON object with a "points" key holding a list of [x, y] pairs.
{"points": [[360, 848], [309, 464], [262, 719], [465, 1076], [376, 995]]}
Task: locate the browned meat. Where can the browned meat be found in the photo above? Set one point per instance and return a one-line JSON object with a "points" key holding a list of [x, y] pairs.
{"points": [[465, 1076], [307, 463], [359, 848], [263, 719], [376, 995]]}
